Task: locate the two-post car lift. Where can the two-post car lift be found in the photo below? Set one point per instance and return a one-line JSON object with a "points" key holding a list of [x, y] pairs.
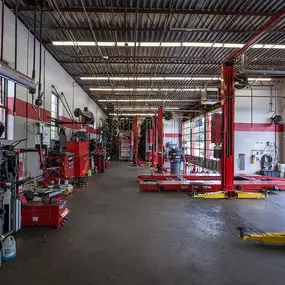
{"points": [[225, 185]]}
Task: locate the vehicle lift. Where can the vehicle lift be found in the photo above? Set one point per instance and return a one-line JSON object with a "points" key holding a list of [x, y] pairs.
{"points": [[214, 187], [160, 153], [224, 186]]}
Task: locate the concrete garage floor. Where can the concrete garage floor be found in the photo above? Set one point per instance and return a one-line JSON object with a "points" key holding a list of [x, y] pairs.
{"points": [[117, 235]]}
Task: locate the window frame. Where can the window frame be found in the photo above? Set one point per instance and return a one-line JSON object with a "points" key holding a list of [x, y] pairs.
{"points": [[4, 106], [53, 127]]}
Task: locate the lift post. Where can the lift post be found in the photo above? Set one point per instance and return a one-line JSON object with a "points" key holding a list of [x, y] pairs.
{"points": [[228, 109], [154, 143], [136, 140], [160, 161]]}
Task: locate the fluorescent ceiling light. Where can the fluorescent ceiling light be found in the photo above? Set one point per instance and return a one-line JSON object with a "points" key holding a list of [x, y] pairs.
{"points": [[132, 114], [135, 108], [268, 46], [106, 44], [233, 45], [257, 46], [218, 45], [149, 100], [205, 78], [279, 47], [148, 78], [171, 108], [149, 44], [144, 89], [173, 44], [162, 44], [70, 43], [174, 78], [158, 78], [194, 44], [260, 79]]}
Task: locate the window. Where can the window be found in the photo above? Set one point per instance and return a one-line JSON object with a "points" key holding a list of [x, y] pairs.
{"points": [[3, 104], [54, 114]]}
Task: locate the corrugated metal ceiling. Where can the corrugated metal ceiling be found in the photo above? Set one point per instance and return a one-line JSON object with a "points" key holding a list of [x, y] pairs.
{"points": [[126, 21]]}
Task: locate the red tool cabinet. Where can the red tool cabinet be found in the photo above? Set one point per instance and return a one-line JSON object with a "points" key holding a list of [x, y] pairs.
{"points": [[81, 157]]}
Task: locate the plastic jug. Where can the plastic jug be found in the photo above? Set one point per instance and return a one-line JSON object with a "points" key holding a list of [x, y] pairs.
{"points": [[9, 248]]}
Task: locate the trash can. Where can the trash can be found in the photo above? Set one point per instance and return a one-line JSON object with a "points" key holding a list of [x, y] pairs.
{"points": [[175, 161], [2, 214]]}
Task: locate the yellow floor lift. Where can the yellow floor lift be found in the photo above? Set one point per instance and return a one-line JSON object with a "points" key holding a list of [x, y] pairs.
{"points": [[265, 238]]}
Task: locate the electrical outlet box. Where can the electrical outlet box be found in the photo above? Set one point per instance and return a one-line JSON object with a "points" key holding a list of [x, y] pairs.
{"points": [[46, 136]]}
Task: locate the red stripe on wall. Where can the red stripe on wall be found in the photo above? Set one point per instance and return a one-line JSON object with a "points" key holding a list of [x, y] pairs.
{"points": [[25, 109], [75, 126], [171, 135], [258, 127]]}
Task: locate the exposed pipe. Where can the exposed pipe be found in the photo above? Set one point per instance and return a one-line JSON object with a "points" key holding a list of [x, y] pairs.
{"points": [[265, 72], [40, 51], [2, 37], [16, 53], [70, 112], [271, 100], [44, 79], [251, 106], [74, 84], [34, 52], [2, 30], [63, 104]]}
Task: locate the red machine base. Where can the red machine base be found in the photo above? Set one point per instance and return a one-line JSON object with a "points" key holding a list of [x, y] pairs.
{"points": [[251, 183], [167, 176], [44, 215]]}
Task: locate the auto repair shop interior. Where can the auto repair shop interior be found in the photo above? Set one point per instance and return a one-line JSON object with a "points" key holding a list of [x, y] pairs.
{"points": [[142, 142]]}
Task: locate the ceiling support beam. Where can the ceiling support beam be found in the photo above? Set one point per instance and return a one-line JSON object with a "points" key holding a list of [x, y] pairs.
{"points": [[259, 35], [174, 30], [150, 11]]}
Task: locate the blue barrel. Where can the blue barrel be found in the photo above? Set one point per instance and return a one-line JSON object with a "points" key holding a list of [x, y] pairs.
{"points": [[175, 161]]}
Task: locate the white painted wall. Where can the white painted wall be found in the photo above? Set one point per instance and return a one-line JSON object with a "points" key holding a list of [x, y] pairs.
{"points": [[54, 75], [172, 128], [245, 140]]}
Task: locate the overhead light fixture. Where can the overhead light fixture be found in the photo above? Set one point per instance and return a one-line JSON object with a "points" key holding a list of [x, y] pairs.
{"points": [[194, 44], [172, 44], [279, 47], [163, 44], [218, 45], [135, 108], [132, 114], [163, 78], [233, 45], [171, 108], [145, 89], [149, 100], [150, 44], [260, 79], [257, 46], [77, 43], [149, 78]]}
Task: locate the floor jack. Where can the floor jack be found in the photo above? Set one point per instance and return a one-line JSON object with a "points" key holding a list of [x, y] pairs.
{"points": [[265, 238]]}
